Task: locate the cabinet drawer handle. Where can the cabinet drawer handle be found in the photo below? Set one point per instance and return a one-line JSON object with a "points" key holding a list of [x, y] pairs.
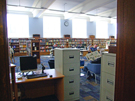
{"points": [[111, 64], [71, 69], [71, 93], [108, 99], [71, 81], [109, 82], [72, 56]]}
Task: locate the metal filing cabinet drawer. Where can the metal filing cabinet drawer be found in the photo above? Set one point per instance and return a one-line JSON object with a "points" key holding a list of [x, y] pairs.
{"points": [[106, 96], [71, 82], [108, 64], [71, 56], [108, 82], [71, 69], [71, 93]]}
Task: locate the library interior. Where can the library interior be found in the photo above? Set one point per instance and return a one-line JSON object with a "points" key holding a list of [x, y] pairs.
{"points": [[62, 50]]}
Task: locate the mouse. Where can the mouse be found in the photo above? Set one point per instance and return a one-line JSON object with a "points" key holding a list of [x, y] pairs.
{"points": [[50, 75]]}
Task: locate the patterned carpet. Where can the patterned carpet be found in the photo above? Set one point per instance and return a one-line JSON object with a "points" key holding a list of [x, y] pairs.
{"points": [[89, 90]]}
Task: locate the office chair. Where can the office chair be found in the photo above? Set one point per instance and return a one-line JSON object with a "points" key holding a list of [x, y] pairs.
{"points": [[51, 64]]}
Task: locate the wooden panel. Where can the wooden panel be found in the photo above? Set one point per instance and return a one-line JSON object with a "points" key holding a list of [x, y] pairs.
{"points": [[5, 87], [36, 36], [112, 49], [44, 53], [67, 36], [111, 37], [37, 89], [92, 36], [85, 52], [14, 85], [125, 58], [17, 54], [43, 86], [20, 54], [59, 89]]}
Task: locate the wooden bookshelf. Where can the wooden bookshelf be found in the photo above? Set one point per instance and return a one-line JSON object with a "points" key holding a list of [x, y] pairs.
{"points": [[78, 42], [42, 46], [14, 43], [35, 49], [46, 44], [22, 47]]}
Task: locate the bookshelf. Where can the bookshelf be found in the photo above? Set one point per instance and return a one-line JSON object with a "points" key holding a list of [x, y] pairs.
{"points": [[21, 45], [96, 41], [113, 42], [89, 42], [49, 42], [48, 45], [42, 46], [78, 42], [35, 49], [102, 43], [14, 43]]}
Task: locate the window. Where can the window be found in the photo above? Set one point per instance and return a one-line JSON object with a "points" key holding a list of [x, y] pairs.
{"points": [[51, 27], [18, 26], [101, 29], [79, 28]]}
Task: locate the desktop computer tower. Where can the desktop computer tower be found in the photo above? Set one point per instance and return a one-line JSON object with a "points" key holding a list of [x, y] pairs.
{"points": [[67, 62]]}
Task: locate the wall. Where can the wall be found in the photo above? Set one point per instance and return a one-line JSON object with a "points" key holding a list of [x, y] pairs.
{"points": [[66, 29], [35, 26], [111, 30], [91, 28]]}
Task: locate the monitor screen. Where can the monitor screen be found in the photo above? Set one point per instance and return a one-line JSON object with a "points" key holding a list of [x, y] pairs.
{"points": [[28, 63]]}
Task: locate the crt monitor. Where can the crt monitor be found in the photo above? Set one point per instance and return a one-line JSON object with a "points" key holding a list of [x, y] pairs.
{"points": [[28, 63]]}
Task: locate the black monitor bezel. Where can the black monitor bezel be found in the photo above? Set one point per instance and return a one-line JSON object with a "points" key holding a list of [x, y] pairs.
{"points": [[31, 64]]}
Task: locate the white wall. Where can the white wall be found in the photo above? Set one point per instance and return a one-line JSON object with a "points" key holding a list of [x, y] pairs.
{"points": [[111, 30], [91, 28], [66, 29], [36, 27]]}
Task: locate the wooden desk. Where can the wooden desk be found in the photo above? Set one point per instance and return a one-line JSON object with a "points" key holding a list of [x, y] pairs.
{"points": [[13, 80], [84, 52], [43, 86], [104, 50]]}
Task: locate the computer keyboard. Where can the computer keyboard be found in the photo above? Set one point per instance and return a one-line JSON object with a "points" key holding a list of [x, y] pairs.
{"points": [[36, 75]]}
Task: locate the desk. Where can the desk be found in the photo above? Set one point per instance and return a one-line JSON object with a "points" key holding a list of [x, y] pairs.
{"points": [[43, 86], [14, 86], [103, 49], [84, 52]]}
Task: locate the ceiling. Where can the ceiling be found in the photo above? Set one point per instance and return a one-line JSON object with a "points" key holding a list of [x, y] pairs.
{"points": [[104, 8]]}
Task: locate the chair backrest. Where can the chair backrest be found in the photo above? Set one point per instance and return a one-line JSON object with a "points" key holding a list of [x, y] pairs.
{"points": [[51, 64]]}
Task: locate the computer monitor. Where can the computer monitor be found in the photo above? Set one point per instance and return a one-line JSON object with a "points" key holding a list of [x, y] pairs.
{"points": [[28, 63]]}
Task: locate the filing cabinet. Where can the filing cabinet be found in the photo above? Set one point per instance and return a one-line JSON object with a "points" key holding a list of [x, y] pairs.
{"points": [[67, 62], [108, 66]]}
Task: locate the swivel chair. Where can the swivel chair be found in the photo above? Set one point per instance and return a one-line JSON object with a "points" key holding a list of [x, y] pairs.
{"points": [[51, 64]]}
